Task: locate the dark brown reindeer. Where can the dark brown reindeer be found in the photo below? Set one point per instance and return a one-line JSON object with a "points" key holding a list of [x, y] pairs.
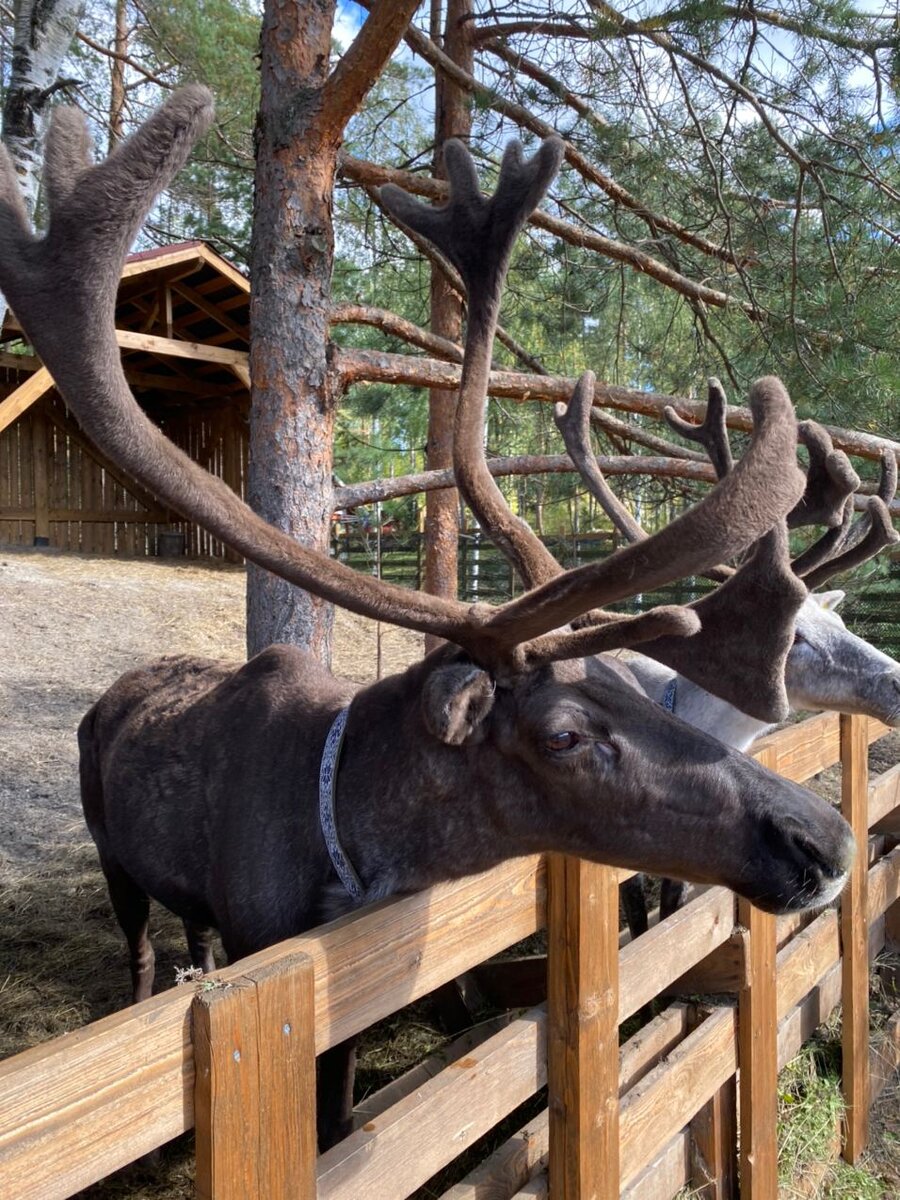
{"points": [[199, 779], [828, 668]]}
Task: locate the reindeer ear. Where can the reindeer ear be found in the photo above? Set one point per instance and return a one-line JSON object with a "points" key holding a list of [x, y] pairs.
{"points": [[455, 700], [828, 600]]}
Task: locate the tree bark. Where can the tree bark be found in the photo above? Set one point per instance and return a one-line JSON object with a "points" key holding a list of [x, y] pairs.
{"points": [[302, 115], [42, 36], [453, 118], [43, 33], [117, 78]]}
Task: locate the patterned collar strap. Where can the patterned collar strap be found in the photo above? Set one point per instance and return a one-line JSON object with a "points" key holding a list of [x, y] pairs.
{"points": [[669, 695], [328, 770]]}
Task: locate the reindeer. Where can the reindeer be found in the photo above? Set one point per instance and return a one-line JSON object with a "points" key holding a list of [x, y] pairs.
{"points": [[199, 779], [828, 668]]}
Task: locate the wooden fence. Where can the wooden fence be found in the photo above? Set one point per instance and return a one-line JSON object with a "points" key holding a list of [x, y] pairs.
{"points": [[233, 1055]]}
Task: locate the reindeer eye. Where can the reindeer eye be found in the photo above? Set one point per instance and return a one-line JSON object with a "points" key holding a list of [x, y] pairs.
{"points": [[799, 639], [559, 742]]}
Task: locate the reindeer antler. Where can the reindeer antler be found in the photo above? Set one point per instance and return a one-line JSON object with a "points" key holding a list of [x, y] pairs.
{"points": [[854, 544], [63, 288], [477, 234], [744, 668], [712, 432]]}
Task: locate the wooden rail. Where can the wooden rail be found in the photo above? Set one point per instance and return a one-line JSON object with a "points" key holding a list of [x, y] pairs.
{"points": [[637, 1121]]}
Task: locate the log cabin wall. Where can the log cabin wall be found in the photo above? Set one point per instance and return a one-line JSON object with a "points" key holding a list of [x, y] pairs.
{"points": [[55, 490], [182, 321]]}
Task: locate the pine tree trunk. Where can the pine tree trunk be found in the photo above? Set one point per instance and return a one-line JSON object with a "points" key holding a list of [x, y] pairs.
{"points": [[117, 78], [292, 415], [453, 118]]}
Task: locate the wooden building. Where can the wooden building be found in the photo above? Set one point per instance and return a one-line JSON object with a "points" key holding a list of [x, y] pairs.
{"points": [[182, 317]]}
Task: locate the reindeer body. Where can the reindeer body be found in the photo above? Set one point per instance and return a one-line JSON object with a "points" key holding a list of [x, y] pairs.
{"points": [[200, 788]]}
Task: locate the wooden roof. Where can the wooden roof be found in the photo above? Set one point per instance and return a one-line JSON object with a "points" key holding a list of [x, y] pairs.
{"points": [[183, 321]]}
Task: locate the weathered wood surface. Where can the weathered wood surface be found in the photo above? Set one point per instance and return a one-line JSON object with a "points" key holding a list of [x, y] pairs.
{"points": [[669, 1096], [758, 1056], [24, 396], [255, 1085], [510, 1165], [583, 1042], [854, 941], [77, 1108], [397, 1151]]}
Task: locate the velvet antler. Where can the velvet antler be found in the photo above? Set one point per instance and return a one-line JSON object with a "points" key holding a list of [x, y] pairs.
{"points": [[712, 432], [746, 624], [63, 289]]}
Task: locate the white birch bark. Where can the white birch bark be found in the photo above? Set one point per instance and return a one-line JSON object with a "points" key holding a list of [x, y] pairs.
{"points": [[43, 33]]}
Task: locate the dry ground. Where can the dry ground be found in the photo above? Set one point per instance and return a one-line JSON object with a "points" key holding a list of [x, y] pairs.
{"points": [[68, 628]]}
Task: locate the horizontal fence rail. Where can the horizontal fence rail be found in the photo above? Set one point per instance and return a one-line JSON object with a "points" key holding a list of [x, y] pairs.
{"points": [[636, 1120]]}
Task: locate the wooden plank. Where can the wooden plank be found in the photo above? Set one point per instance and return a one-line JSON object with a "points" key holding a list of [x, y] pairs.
{"points": [[128, 339], [211, 309], [758, 1079], [80, 1106], [713, 1146], [510, 1165], [801, 751], [242, 371], [806, 959], [189, 257], [854, 941], [24, 396], [714, 1137], [724, 972], [87, 516], [41, 481], [669, 1096], [651, 963], [884, 1056], [666, 1175], [801, 1022], [400, 1149], [884, 799], [583, 1043], [255, 1085]]}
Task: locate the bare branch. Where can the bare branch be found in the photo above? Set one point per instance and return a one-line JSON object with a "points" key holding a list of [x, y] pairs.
{"points": [[356, 366], [360, 65]]}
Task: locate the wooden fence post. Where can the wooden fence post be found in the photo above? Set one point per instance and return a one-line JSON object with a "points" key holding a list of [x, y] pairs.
{"points": [[758, 1059], [40, 433], [713, 1137], [255, 1085], [583, 1029], [855, 939], [758, 1049]]}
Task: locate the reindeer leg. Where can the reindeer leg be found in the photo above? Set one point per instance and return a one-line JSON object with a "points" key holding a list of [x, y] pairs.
{"points": [[199, 940], [335, 1070], [671, 897], [131, 905], [634, 904]]}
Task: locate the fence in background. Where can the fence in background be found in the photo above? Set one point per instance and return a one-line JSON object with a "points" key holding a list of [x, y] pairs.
{"points": [[234, 1055]]}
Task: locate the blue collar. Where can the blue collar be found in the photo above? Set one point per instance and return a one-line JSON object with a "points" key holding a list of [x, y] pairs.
{"points": [[669, 695], [327, 779]]}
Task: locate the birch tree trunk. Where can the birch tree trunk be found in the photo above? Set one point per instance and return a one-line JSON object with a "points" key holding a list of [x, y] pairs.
{"points": [[44, 30]]}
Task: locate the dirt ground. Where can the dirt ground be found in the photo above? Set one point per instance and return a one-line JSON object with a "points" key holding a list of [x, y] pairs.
{"points": [[69, 626]]}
